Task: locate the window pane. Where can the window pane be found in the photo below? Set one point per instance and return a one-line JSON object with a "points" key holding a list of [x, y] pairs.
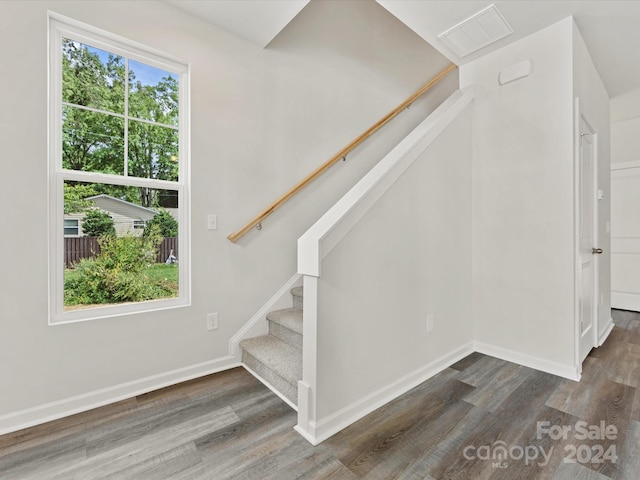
{"points": [[92, 77], [138, 263], [92, 142], [153, 94], [153, 151], [71, 227]]}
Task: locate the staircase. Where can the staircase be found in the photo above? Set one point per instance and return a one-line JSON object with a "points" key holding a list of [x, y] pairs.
{"points": [[276, 358]]}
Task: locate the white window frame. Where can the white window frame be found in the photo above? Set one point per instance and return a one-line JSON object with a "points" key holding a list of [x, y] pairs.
{"points": [[77, 227], [63, 27], [139, 224]]}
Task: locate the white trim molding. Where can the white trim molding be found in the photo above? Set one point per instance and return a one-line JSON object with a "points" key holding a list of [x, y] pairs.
{"points": [[318, 431], [571, 372], [47, 412], [270, 387], [605, 332], [626, 166], [326, 233], [257, 325], [625, 301]]}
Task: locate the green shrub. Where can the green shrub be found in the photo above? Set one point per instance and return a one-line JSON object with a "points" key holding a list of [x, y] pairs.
{"points": [[130, 252], [118, 273], [164, 222], [97, 223]]}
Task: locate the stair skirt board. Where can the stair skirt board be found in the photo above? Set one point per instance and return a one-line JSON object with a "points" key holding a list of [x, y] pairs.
{"points": [[274, 355], [271, 387], [326, 427]]}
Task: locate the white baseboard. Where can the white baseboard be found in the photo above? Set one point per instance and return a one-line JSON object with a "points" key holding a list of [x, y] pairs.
{"points": [[328, 426], [307, 436], [605, 333], [29, 417], [570, 372], [625, 301], [257, 325]]}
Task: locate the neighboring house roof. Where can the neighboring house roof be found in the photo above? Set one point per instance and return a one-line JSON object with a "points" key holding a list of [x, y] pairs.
{"points": [[122, 207]]}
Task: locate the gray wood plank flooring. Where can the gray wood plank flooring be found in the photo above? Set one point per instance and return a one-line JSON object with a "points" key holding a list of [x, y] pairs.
{"points": [[482, 418]]}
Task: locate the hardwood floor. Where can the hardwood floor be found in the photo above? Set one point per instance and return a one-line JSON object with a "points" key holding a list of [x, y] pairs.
{"points": [[229, 426]]}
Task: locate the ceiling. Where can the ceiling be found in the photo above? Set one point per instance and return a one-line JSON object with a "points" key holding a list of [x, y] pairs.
{"points": [[611, 28], [256, 20]]}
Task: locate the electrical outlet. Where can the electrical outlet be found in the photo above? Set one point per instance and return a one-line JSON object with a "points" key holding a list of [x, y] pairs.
{"points": [[212, 222], [430, 320], [212, 321]]}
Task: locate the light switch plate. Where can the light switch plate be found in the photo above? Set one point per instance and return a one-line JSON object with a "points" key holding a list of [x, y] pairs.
{"points": [[212, 222], [212, 321]]}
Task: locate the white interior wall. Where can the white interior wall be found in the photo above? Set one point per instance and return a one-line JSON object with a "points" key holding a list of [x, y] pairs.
{"points": [[625, 198], [407, 258], [261, 119], [625, 238], [625, 106], [625, 140], [523, 268], [594, 105]]}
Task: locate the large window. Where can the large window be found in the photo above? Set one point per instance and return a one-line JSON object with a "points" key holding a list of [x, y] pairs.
{"points": [[118, 149]]}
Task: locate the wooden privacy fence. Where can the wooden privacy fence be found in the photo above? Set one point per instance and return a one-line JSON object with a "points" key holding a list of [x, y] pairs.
{"points": [[77, 248], [168, 244]]}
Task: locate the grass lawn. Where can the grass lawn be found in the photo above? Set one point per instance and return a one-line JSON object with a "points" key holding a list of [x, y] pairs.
{"points": [[159, 274], [163, 272]]}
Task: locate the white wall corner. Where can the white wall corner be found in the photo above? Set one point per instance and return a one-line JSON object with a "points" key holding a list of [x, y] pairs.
{"points": [[571, 372]]}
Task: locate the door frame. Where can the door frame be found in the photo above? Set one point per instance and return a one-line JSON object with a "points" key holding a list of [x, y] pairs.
{"points": [[578, 116]]}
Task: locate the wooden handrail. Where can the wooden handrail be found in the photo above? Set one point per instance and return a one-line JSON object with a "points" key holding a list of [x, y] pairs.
{"points": [[234, 237]]}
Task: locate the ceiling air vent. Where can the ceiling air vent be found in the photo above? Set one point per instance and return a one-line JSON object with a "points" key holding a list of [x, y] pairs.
{"points": [[477, 31]]}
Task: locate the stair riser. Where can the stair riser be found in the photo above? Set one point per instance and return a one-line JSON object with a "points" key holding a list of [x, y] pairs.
{"points": [[286, 335], [271, 377]]}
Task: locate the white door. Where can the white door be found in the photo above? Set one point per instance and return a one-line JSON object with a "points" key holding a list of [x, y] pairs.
{"points": [[588, 248]]}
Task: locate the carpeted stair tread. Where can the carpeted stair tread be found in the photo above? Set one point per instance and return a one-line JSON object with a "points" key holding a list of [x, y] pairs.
{"points": [[277, 355], [290, 318]]}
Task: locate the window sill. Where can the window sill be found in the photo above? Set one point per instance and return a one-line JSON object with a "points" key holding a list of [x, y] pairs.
{"points": [[96, 313]]}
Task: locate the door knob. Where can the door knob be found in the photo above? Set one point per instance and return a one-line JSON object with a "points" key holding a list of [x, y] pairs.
{"points": [[596, 250]]}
